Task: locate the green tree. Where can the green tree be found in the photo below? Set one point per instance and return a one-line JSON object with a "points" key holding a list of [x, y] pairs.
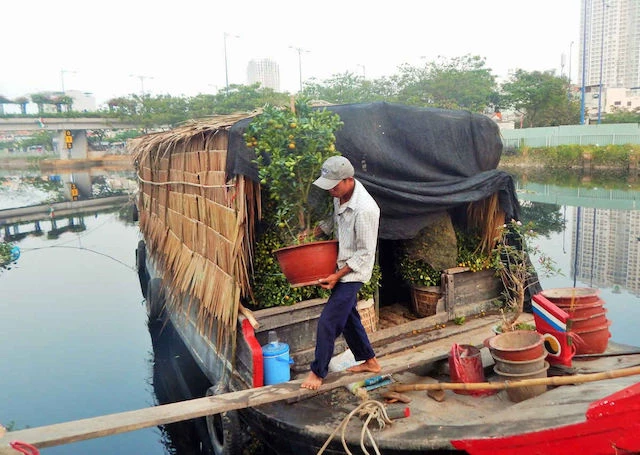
{"points": [[622, 116], [41, 99], [245, 98], [63, 101], [3, 100], [449, 83], [22, 101], [541, 97], [342, 89]]}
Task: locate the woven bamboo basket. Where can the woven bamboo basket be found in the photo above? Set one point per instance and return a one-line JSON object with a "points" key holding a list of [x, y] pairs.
{"points": [[424, 300], [368, 316]]}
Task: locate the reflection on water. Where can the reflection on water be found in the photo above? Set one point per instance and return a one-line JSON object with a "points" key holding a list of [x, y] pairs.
{"points": [[74, 332], [176, 377]]}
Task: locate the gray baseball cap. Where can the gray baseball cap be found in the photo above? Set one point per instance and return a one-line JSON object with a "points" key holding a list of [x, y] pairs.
{"points": [[333, 170]]}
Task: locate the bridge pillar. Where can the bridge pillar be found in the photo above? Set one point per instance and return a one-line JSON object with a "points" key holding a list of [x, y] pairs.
{"points": [[79, 145]]}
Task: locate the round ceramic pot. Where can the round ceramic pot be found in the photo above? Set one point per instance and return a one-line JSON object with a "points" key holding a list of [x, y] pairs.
{"points": [[519, 367], [518, 345], [305, 264], [592, 340], [582, 323], [583, 310], [517, 394], [572, 296]]}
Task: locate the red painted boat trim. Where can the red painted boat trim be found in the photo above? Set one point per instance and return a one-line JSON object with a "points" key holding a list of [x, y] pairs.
{"points": [[612, 427], [256, 353]]}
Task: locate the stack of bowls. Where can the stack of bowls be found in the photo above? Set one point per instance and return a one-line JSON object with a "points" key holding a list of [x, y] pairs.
{"points": [[520, 355], [587, 321]]}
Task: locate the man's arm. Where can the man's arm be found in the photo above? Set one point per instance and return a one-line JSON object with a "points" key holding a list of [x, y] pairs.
{"points": [[330, 281]]}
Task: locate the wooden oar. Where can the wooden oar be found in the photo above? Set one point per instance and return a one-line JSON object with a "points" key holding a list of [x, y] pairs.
{"points": [[553, 380]]}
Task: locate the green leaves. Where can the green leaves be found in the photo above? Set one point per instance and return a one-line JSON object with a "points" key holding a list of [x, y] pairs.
{"points": [[291, 146]]}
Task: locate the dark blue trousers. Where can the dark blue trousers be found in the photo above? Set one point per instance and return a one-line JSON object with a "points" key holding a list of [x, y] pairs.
{"points": [[340, 316]]}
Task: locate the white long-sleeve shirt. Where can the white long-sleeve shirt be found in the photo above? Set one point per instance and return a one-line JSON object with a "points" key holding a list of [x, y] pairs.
{"points": [[355, 225]]}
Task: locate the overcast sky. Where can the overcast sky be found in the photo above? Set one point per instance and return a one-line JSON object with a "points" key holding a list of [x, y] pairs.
{"points": [[115, 47]]}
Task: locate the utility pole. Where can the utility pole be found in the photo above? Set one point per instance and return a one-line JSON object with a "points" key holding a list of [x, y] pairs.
{"points": [[584, 61], [299, 50], [62, 73], [226, 67]]}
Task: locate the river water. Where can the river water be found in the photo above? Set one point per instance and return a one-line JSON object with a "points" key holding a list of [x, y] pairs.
{"points": [[73, 329]]}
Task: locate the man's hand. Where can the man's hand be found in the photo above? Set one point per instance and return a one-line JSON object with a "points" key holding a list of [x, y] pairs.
{"points": [[329, 282], [310, 234]]}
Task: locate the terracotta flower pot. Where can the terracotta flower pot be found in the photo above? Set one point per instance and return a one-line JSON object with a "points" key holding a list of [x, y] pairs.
{"points": [[518, 345], [518, 394], [569, 296], [305, 264], [592, 340], [583, 323], [519, 367], [584, 310]]}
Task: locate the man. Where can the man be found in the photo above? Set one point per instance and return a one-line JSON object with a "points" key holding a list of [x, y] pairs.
{"points": [[355, 224]]}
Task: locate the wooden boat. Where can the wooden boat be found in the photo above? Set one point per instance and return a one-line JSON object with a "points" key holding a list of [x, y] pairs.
{"points": [[198, 206]]}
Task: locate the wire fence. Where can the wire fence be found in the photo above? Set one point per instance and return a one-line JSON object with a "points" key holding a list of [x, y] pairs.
{"points": [[614, 134]]}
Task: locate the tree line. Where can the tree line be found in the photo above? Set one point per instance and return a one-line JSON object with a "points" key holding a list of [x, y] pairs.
{"points": [[539, 98]]}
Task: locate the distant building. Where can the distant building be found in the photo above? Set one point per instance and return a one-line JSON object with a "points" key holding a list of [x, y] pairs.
{"points": [[82, 101], [266, 72], [609, 44]]}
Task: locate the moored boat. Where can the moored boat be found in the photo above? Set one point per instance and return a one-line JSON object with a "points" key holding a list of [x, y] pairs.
{"points": [[199, 207]]}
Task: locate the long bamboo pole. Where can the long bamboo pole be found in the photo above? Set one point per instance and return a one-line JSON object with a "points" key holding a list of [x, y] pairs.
{"points": [[553, 380]]}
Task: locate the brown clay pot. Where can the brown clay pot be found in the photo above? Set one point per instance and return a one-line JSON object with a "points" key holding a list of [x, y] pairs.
{"points": [[518, 345], [592, 340], [569, 296], [519, 367], [583, 310], [517, 394], [305, 264], [581, 323]]}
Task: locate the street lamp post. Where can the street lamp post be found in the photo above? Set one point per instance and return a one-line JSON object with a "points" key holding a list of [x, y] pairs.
{"points": [[142, 78], [604, 7], [584, 62], [62, 73], [299, 50], [226, 67], [570, 49]]}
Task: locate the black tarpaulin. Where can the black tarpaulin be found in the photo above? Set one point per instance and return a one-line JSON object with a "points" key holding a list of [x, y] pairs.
{"points": [[414, 161]]}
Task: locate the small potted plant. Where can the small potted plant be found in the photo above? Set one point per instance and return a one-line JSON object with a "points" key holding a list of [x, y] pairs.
{"points": [[291, 144], [424, 284]]}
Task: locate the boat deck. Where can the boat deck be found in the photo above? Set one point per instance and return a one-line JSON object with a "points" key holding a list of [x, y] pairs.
{"points": [[432, 424]]}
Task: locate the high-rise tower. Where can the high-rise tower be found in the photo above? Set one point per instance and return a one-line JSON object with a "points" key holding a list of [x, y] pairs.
{"points": [[610, 43], [265, 71]]}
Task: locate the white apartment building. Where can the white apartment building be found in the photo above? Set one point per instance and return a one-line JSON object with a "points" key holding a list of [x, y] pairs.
{"points": [[609, 44], [265, 71]]}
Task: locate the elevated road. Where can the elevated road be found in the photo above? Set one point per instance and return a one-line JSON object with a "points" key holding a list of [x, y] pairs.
{"points": [[40, 212], [62, 124]]}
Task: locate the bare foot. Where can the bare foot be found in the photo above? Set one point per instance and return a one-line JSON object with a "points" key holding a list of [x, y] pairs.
{"points": [[371, 365], [313, 382]]}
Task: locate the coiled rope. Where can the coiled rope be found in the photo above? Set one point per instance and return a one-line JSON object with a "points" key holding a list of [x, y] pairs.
{"points": [[372, 409]]}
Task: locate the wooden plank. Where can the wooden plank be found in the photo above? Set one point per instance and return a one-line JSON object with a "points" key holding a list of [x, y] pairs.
{"points": [[68, 432]]}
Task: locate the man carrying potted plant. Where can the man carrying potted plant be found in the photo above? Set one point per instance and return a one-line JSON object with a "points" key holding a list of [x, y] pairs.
{"points": [[355, 224]]}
